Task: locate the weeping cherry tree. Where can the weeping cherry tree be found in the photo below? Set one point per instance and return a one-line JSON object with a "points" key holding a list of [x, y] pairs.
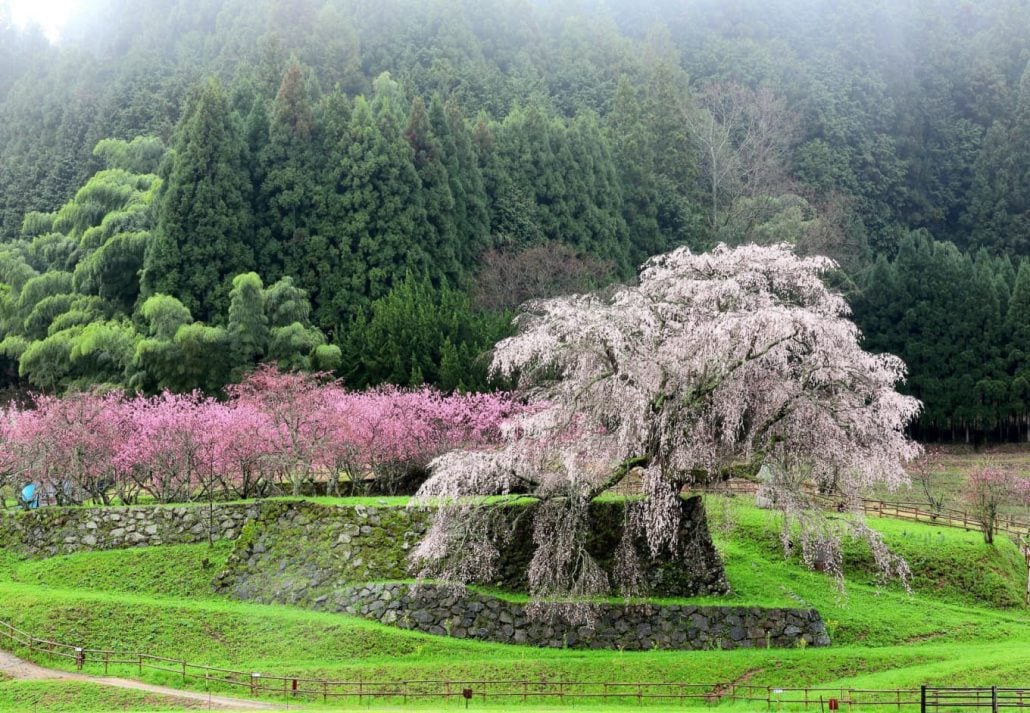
{"points": [[737, 355]]}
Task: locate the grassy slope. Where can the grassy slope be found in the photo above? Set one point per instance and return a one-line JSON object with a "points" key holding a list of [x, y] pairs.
{"points": [[59, 696], [157, 600]]}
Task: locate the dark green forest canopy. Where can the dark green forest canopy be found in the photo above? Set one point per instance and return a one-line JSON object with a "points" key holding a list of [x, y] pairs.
{"points": [[190, 187]]}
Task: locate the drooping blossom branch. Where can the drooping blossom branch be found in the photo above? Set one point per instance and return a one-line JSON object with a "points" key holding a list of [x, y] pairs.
{"points": [[737, 354]]}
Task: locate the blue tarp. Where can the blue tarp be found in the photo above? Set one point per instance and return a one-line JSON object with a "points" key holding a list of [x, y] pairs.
{"points": [[30, 496]]}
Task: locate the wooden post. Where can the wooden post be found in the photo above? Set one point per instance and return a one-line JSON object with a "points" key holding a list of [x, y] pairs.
{"points": [[1026, 554]]}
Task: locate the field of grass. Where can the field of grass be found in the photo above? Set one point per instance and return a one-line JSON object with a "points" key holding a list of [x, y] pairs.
{"points": [[963, 623], [956, 463]]}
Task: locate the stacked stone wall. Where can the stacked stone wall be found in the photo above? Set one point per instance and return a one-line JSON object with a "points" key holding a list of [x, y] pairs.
{"points": [[347, 558], [51, 531], [474, 615], [296, 552]]}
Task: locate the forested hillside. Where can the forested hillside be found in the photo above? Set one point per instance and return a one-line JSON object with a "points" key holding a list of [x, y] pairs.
{"points": [[191, 187]]}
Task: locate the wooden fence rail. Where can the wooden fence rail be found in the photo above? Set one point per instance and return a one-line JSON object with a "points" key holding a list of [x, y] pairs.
{"points": [[257, 684], [914, 512]]}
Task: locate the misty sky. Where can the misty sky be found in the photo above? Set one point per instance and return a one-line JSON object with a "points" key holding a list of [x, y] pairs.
{"points": [[50, 15]]}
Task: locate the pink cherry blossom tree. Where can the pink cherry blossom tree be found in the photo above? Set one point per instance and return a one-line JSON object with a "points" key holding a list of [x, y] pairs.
{"points": [[8, 462], [171, 453], [244, 452], [275, 427], [300, 409], [737, 354], [987, 489], [67, 446], [388, 436]]}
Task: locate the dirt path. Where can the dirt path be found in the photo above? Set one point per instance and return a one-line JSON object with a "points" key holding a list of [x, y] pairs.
{"points": [[17, 668]]}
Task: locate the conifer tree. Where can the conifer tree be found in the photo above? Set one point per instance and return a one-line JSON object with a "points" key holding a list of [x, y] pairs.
{"points": [[407, 332], [204, 231], [634, 157], [466, 180], [383, 219], [327, 266], [441, 216], [596, 198], [289, 195], [1017, 323]]}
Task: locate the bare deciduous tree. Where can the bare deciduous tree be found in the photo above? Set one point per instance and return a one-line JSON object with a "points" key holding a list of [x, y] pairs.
{"points": [[743, 138], [506, 279], [926, 472]]}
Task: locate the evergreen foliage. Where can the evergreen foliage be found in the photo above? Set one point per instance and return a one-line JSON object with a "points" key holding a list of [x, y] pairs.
{"points": [[329, 149], [203, 232]]}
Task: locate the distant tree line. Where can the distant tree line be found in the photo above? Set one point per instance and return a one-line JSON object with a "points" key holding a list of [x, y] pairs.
{"points": [[192, 187]]}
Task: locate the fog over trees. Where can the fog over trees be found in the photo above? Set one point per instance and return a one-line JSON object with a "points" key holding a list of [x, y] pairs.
{"points": [[191, 187]]}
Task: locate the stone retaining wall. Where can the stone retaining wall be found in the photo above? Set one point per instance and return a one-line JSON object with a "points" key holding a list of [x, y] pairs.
{"points": [[297, 552], [322, 556], [294, 552], [53, 531], [646, 626]]}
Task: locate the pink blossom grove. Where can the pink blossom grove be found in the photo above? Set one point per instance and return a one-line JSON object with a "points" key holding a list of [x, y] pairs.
{"points": [[736, 355], [276, 433]]}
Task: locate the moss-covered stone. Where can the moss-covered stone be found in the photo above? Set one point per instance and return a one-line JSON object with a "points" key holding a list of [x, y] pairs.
{"points": [[58, 531], [297, 552]]}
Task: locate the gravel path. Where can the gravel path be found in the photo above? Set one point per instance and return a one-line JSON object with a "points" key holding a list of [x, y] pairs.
{"points": [[17, 668]]}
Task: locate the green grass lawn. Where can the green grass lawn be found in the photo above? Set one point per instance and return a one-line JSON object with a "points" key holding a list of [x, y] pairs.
{"points": [[963, 623], [60, 696]]}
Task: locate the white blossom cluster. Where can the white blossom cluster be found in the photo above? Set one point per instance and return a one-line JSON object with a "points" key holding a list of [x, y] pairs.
{"points": [[734, 356]]}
